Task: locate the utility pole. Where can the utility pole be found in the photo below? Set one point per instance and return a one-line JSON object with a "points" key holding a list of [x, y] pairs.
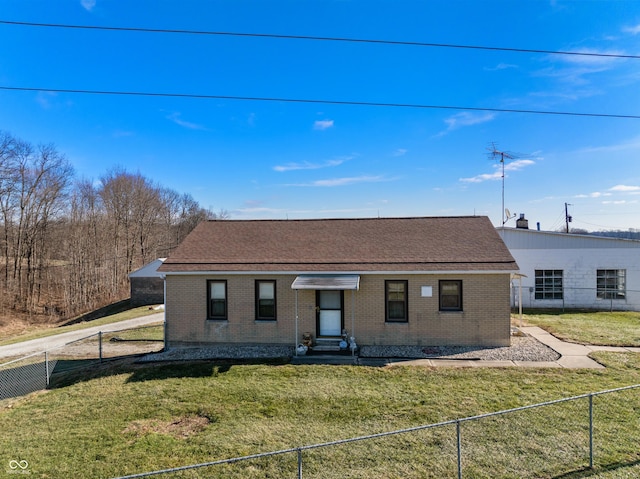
{"points": [[567, 217]]}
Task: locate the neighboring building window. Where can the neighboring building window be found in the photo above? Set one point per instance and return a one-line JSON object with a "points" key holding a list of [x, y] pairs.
{"points": [[548, 284], [450, 295], [266, 300], [611, 283], [397, 308], [217, 298]]}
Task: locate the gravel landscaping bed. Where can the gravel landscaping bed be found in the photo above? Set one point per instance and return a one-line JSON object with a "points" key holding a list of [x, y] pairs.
{"points": [[521, 349], [222, 352]]}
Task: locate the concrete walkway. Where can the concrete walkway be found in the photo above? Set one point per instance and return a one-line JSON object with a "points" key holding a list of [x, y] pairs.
{"points": [[572, 356]]}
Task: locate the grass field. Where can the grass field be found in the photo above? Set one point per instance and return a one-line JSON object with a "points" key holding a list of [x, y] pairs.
{"points": [[123, 418], [589, 327]]}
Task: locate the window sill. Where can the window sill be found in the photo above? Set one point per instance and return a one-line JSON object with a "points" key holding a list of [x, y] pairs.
{"points": [[265, 320], [218, 320]]}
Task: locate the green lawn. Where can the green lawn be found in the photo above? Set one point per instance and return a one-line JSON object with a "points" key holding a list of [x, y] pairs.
{"points": [[142, 333], [123, 418], [128, 418], [590, 327]]}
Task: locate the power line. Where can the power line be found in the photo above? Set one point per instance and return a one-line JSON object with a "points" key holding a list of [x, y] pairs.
{"points": [[315, 38], [318, 101]]}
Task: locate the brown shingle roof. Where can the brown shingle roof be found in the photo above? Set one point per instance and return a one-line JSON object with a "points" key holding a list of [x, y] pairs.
{"points": [[468, 243]]}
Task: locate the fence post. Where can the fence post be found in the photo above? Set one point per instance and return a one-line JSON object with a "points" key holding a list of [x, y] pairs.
{"points": [[46, 365], [459, 440], [100, 345], [299, 463], [591, 431]]}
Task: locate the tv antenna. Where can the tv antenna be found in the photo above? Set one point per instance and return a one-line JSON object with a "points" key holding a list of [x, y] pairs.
{"points": [[501, 155]]}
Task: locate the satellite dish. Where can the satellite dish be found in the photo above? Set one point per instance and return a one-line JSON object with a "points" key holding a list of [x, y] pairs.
{"points": [[508, 213]]}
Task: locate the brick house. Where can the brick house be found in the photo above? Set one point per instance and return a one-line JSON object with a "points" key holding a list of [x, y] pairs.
{"points": [[385, 281]]}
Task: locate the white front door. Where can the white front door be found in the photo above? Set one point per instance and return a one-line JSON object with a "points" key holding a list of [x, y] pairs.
{"points": [[329, 307]]}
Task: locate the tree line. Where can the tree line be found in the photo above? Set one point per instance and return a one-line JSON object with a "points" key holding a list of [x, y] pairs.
{"points": [[67, 245]]}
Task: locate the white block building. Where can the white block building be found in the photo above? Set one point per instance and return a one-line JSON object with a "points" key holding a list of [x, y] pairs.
{"points": [[574, 270]]}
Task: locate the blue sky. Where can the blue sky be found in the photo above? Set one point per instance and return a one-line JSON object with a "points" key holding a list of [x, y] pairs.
{"points": [[270, 159]]}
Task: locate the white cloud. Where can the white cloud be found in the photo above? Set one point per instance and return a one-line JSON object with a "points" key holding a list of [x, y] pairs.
{"points": [[632, 144], [632, 30], [44, 98], [591, 59], [496, 175], [518, 165], [88, 4], [175, 117], [595, 194], [344, 181], [347, 181], [460, 120], [625, 188], [323, 124], [501, 66], [483, 177], [619, 202], [305, 165], [578, 70], [400, 152]]}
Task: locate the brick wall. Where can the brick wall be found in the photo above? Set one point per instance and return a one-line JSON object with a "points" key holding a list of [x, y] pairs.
{"points": [[483, 321]]}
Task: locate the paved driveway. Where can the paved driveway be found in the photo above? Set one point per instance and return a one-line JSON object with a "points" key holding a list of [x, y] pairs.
{"points": [[38, 345]]}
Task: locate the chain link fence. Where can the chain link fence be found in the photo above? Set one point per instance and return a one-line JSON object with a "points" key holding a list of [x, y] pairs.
{"points": [[35, 372], [551, 439], [569, 297]]}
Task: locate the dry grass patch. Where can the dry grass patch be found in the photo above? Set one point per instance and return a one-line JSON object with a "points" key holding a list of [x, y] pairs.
{"points": [[179, 428]]}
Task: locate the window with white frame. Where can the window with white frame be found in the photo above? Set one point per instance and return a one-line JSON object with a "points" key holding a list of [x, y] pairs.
{"points": [[611, 283], [548, 284]]}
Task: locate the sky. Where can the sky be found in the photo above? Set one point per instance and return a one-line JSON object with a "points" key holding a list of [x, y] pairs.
{"points": [[405, 125]]}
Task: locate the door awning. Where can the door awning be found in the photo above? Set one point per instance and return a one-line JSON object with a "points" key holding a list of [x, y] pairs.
{"points": [[327, 281]]}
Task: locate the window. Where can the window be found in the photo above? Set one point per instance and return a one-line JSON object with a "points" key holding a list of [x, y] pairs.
{"points": [[548, 284], [611, 283], [450, 295], [396, 305], [266, 300], [217, 299]]}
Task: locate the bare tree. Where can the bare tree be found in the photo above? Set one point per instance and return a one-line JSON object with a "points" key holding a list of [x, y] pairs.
{"points": [[67, 250], [34, 184]]}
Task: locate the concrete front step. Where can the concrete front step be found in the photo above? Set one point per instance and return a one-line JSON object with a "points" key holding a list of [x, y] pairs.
{"points": [[325, 348], [327, 345]]}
